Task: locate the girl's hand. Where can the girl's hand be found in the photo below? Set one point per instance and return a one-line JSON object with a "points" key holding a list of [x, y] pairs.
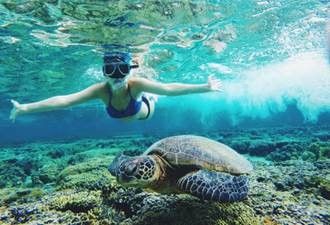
{"points": [[214, 83], [17, 109]]}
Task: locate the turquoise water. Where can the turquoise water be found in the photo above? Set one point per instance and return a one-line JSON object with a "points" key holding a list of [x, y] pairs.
{"points": [[270, 55]]}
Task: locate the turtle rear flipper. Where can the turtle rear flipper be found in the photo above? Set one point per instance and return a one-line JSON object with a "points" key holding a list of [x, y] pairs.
{"points": [[216, 186]]}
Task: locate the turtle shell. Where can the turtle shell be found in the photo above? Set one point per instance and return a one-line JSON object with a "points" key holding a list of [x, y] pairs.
{"points": [[191, 150]]}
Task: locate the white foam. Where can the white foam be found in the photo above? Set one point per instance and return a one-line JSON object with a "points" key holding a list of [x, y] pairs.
{"points": [[304, 79]]}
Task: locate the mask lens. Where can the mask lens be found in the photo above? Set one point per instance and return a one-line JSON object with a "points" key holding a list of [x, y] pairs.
{"points": [[124, 68], [109, 69], [116, 70]]}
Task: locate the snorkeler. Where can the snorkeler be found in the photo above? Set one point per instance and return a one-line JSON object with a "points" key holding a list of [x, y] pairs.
{"points": [[123, 95]]}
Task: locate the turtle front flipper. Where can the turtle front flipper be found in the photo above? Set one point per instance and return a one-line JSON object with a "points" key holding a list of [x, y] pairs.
{"points": [[216, 186]]}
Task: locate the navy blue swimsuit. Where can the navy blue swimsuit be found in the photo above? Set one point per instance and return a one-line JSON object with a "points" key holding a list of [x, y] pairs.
{"points": [[132, 108]]}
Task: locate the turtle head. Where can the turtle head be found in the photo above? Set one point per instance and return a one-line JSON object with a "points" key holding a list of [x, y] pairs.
{"points": [[137, 171]]}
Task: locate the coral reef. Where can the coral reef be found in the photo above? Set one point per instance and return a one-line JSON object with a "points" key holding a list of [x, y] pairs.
{"points": [[91, 175], [58, 183], [76, 201], [150, 208], [289, 192]]}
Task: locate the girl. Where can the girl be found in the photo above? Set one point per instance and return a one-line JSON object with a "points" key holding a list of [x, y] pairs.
{"points": [[124, 96]]}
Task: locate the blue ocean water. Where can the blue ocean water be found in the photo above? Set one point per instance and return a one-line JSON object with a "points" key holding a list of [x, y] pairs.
{"points": [[271, 56]]}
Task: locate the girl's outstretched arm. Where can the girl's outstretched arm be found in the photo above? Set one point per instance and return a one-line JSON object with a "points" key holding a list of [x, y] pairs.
{"points": [[172, 89], [56, 102]]}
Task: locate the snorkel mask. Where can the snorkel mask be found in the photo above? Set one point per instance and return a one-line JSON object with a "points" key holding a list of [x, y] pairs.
{"points": [[117, 65]]}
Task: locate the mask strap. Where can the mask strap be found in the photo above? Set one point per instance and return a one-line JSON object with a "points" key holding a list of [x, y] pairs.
{"points": [[134, 66]]}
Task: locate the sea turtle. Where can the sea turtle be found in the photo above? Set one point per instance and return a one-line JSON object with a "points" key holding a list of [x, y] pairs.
{"points": [[186, 164]]}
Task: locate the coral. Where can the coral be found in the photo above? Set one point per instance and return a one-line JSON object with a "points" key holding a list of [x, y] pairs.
{"points": [[36, 193], [322, 135], [57, 153], [325, 187], [77, 158], [292, 151], [290, 188], [240, 146], [11, 175], [46, 174], [320, 149], [92, 175], [76, 201], [325, 152], [10, 195], [23, 214], [148, 208], [308, 156], [279, 155], [261, 147]]}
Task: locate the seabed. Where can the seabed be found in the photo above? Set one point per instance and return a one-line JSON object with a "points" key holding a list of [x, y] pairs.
{"points": [[68, 182]]}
